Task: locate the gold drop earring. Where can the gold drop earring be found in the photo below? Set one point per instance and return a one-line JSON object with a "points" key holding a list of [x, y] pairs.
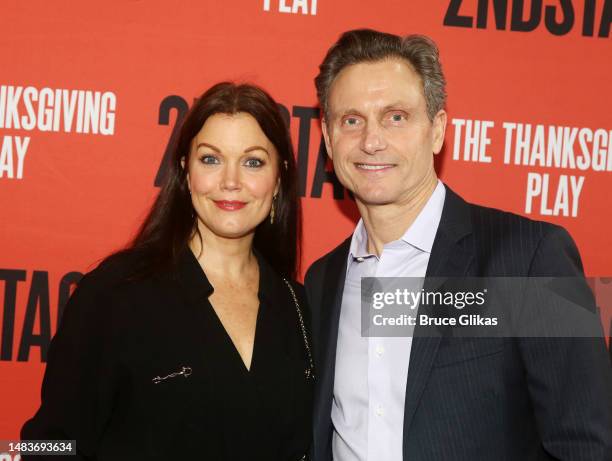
{"points": [[272, 209]]}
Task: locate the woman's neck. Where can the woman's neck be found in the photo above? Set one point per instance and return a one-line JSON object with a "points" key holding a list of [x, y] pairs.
{"points": [[224, 257]]}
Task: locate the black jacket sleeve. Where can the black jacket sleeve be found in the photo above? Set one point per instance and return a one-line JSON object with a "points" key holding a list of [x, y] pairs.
{"points": [[81, 375], [569, 379]]}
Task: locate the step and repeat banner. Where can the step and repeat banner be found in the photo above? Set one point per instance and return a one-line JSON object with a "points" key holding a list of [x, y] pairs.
{"points": [[90, 95]]}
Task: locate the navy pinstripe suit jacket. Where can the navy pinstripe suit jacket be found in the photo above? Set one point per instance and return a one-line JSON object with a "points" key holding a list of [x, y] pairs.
{"points": [[475, 398]]}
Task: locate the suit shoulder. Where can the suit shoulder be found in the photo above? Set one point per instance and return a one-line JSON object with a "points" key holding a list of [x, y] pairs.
{"points": [[317, 268], [110, 280], [514, 244], [112, 271], [499, 224], [507, 217]]}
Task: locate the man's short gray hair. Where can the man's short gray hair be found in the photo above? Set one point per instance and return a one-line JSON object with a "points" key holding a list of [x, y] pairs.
{"points": [[366, 45]]}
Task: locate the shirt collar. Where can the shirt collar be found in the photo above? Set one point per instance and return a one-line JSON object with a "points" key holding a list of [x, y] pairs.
{"points": [[359, 242], [420, 234]]}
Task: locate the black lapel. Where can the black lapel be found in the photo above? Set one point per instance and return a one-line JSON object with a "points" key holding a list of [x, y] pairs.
{"points": [[331, 301], [449, 258], [195, 285]]}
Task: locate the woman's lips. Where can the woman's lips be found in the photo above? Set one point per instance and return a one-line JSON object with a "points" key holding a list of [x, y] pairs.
{"points": [[230, 205]]}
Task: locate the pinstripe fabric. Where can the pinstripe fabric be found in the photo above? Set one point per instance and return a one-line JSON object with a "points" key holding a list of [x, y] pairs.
{"points": [[482, 398]]}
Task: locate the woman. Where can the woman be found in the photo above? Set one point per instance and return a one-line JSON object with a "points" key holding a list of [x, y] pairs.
{"points": [[192, 342]]}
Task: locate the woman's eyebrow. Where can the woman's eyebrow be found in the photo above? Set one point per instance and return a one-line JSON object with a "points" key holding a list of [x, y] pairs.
{"points": [[210, 146], [252, 148]]}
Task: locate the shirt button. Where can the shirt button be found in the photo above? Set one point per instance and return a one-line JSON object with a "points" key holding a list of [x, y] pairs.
{"points": [[380, 350], [379, 410], [360, 259]]}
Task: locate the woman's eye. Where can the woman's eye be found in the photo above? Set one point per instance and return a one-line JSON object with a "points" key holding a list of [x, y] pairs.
{"points": [[254, 163], [209, 160]]}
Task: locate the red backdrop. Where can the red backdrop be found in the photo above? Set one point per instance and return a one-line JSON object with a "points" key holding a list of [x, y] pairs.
{"points": [[90, 93]]}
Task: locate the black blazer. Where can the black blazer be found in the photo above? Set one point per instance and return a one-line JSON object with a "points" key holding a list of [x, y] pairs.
{"points": [[482, 398], [116, 337]]}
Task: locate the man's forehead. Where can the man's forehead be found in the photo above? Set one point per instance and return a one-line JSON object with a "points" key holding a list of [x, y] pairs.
{"points": [[386, 65], [376, 85]]}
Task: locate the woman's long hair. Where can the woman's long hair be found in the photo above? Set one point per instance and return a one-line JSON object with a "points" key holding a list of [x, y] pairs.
{"points": [[172, 222]]}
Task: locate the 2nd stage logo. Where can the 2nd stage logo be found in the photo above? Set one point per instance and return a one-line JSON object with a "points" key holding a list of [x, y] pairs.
{"points": [[525, 16]]}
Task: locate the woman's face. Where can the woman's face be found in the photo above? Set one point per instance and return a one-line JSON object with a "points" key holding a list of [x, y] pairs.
{"points": [[232, 173]]}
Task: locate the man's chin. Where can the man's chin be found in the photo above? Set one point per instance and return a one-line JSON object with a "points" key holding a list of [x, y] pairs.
{"points": [[375, 199]]}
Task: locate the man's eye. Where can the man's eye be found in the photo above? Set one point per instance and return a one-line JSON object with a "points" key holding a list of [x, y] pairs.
{"points": [[395, 117], [209, 159], [254, 163], [351, 121]]}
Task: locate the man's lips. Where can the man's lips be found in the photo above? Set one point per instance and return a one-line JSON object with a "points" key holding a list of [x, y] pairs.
{"points": [[230, 205], [374, 166]]}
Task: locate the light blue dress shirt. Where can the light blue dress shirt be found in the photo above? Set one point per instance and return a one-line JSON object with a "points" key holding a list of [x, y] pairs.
{"points": [[371, 372]]}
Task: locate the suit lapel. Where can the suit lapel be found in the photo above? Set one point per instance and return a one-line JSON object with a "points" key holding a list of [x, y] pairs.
{"points": [[331, 301], [449, 258]]}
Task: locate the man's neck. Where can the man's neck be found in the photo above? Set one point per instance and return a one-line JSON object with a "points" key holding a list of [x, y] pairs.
{"points": [[387, 223]]}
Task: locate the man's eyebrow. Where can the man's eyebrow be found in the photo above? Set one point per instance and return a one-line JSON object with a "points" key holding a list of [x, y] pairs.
{"points": [[210, 146], [252, 148], [344, 112], [398, 105]]}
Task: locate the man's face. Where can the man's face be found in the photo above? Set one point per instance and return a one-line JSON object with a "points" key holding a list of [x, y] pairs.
{"points": [[378, 133]]}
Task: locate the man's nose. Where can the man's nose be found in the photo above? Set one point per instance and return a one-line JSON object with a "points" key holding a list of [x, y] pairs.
{"points": [[373, 139]]}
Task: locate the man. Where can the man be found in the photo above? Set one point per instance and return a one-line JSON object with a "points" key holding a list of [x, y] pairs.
{"points": [[432, 397]]}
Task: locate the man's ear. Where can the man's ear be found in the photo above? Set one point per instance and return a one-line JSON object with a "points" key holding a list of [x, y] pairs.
{"points": [[326, 137], [439, 128]]}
